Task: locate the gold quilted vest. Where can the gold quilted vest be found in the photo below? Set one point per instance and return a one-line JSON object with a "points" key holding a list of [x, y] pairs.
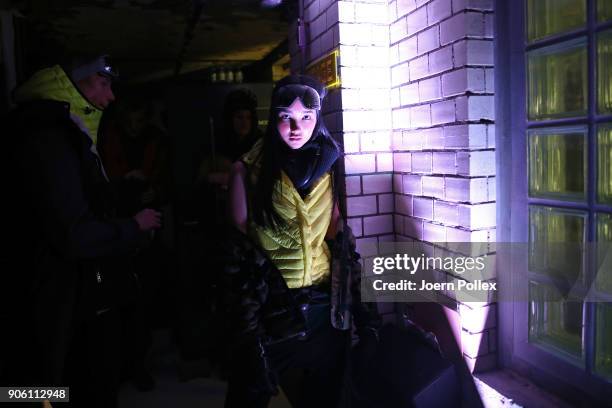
{"points": [[298, 248]]}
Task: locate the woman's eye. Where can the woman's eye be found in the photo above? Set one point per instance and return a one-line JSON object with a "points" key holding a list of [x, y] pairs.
{"points": [[307, 117], [284, 117]]}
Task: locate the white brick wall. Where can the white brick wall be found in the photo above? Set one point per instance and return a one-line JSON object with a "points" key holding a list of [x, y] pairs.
{"points": [[407, 49], [442, 85], [443, 112], [353, 185], [433, 186], [377, 183], [465, 79], [428, 40], [405, 6], [438, 10], [430, 89], [384, 162], [386, 204], [416, 21], [462, 25], [444, 163], [421, 162], [411, 184], [377, 225], [360, 163], [362, 205]]}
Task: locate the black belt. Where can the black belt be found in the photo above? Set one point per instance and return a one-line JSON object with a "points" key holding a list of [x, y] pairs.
{"points": [[314, 294]]}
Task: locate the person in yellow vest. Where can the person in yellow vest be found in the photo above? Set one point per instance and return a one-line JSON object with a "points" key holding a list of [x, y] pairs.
{"points": [[295, 270]]}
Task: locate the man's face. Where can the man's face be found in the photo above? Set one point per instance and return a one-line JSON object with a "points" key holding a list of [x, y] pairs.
{"points": [[242, 121], [135, 122], [97, 89]]}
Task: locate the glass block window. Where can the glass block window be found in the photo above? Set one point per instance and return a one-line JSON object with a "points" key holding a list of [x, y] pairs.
{"points": [[555, 324], [604, 164], [603, 341], [604, 10], [604, 72], [603, 279], [557, 163], [557, 81], [566, 137], [548, 17], [555, 242]]}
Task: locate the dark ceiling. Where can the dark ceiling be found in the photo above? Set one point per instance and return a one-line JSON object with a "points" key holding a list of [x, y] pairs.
{"points": [[153, 39]]}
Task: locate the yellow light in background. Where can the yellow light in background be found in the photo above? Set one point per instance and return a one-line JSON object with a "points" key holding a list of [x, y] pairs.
{"points": [[326, 69]]}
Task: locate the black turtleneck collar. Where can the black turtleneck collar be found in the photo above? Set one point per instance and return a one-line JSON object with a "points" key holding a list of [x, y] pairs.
{"points": [[304, 166]]}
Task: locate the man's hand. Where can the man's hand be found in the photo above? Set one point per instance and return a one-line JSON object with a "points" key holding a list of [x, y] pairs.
{"points": [[148, 219]]}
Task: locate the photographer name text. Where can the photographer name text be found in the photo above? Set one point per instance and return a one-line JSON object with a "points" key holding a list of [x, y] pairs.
{"points": [[423, 285]]}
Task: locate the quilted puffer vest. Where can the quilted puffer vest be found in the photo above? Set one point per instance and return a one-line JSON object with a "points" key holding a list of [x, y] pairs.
{"points": [[298, 249]]}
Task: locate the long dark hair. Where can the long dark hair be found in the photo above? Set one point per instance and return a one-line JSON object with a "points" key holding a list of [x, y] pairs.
{"points": [[274, 147]]}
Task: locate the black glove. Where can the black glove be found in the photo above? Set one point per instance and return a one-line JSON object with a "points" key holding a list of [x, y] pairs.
{"points": [[265, 379]]}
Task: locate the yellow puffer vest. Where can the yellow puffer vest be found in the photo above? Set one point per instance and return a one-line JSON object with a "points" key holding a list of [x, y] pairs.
{"points": [[298, 249]]}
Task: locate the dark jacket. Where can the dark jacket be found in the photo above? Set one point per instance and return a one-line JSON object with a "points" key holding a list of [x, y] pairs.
{"points": [[64, 239], [260, 306]]}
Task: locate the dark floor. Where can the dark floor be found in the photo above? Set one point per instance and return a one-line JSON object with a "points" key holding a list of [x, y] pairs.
{"points": [[167, 368], [500, 388]]}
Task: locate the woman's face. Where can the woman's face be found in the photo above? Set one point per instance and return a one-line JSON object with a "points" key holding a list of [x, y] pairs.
{"points": [[296, 123]]}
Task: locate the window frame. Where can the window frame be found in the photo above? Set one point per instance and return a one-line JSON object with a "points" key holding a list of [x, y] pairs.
{"points": [[511, 46]]}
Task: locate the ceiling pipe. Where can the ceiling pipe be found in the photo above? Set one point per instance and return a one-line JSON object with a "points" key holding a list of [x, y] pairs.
{"points": [[198, 7]]}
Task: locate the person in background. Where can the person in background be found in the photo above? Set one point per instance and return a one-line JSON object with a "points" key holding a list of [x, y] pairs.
{"points": [[240, 132], [69, 251], [135, 153]]}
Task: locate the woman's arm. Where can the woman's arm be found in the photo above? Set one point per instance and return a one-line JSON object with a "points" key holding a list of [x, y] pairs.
{"points": [[333, 224], [237, 196]]}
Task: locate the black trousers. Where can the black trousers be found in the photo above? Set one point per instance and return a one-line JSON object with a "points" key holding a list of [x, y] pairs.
{"points": [[91, 366], [317, 361], [94, 362]]}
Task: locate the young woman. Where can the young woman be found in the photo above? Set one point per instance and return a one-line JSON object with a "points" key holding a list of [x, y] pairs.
{"points": [[293, 269]]}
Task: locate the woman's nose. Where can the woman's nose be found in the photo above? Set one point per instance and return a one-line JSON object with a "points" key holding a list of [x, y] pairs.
{"points": [[294, 124]]}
